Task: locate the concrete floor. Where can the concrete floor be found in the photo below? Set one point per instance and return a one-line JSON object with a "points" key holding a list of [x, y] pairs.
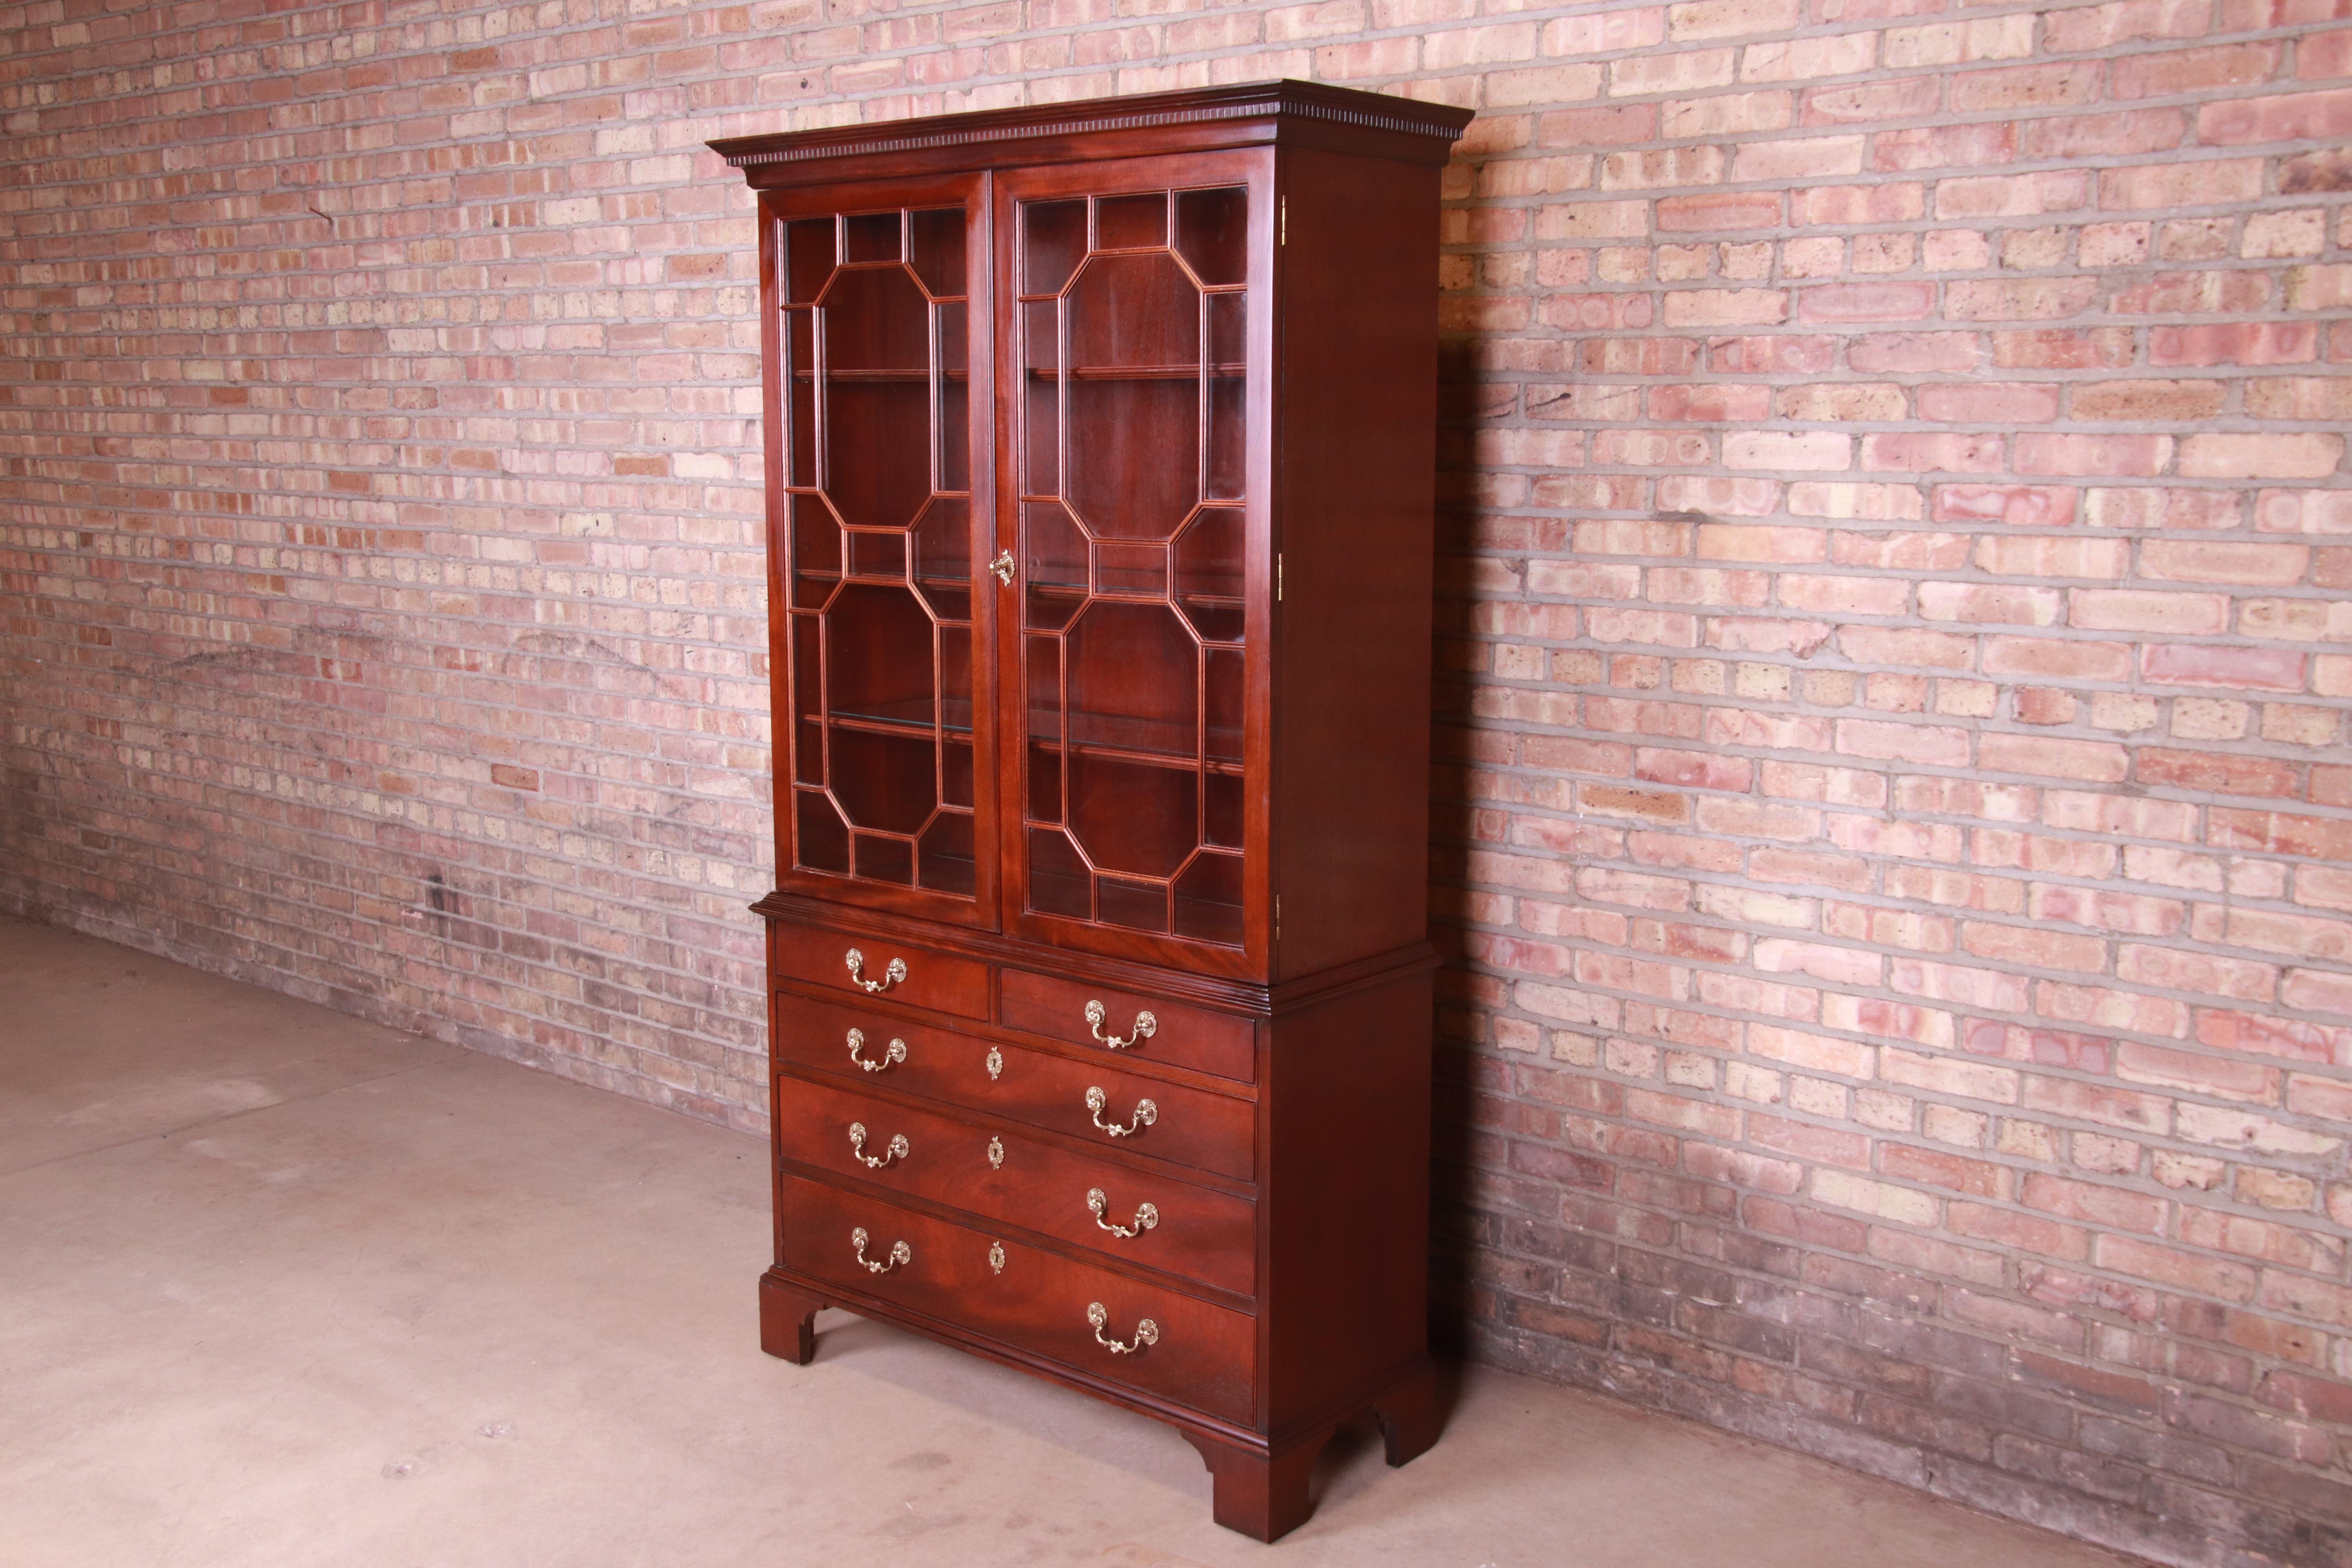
{"points": [[278, 1286]]}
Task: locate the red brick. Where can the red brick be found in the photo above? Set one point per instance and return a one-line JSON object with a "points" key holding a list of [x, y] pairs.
{"points": [[2293, 117], [2177, 71], [2243, 668]]}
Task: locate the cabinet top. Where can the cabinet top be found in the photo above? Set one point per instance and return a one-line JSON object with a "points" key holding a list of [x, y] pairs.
{"points": [[1254, 114]]}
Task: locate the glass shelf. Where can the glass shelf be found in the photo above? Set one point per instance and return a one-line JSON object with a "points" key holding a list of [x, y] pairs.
{"points": [[852, 377], [1221, 371], [1151, 744]]}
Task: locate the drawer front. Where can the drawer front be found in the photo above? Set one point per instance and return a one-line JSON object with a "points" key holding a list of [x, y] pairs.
{"points": [[1029, 1300], [1196, 1233], [1188, 1036], [938, 981], [1207, 1132]]}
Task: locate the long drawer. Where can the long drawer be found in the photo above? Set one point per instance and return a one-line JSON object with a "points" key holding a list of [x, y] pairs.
{"points": [[1200, 1354], [1192, 1127], [1201, 1235]]}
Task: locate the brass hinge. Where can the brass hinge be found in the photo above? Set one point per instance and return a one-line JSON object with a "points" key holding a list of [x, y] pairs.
{"points": [[1283, 207], [1277, 579], [1277, 917]]}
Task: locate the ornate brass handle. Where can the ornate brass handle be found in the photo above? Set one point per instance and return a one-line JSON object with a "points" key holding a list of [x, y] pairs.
{"points": [[896, 1053], [996, 1153], [1145, 1026], [901, 1253], [1146, 1215], [995, 1063], [892, 973], [1147, 1332], [896, 1151], [1146, 1113], [1002, 567]]}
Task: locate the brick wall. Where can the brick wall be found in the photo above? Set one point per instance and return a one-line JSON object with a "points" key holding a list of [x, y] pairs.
{"points": [[1896, 838]]}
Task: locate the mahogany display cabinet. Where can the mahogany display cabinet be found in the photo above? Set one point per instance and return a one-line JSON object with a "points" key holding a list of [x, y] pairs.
{"points": [[1100, 450]]}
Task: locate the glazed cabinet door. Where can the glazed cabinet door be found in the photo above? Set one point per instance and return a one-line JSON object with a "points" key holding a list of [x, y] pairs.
{"points": [[880, 474], [1132, 385]]}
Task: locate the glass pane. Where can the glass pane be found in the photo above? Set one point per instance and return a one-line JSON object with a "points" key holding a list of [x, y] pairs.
{"points": [[1212, 233], [955, 684], [879, 653], [1053, 236], [1133, 551], [1133, 816], [1209, 568], [880, 859], [945, 852], [799, 398], [1221, 812], [816, 538], [880, 527], [808, 257], [1209, 899], [870, 237], [938, 252], [1053, 565], [1228, 394], [955, 399], [1140, 906], [1041, 413], [1126, 223], [878, 555], [1132, 568], [1059, 883], [1134, 679], [943, 557], [1044, 783], [822, 840], [955, 775]]}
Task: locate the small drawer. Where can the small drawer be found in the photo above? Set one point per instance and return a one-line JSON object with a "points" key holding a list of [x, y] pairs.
{"points": [[1201, 1235], [1207, 1132], [1088, 1015], [877, 967], [1197, 1354]]}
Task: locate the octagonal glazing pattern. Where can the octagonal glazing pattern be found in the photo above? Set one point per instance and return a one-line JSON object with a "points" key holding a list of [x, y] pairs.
{"points": [[878, 466], [1132, 328]]}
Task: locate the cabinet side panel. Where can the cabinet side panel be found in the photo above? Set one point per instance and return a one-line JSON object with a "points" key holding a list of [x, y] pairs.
{"points": [[1346, 1196], [1357, 293]]}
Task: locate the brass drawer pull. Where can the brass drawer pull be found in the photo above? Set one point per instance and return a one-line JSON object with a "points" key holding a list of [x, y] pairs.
{"points": [[895, 1054], [1146, 1215], [901, 1253], [1145, 1026], [897, 1149], [892, 973], [996, 1257], [996, 1153], [1147, 1332], [1146, 1113], [995, 1063]]}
